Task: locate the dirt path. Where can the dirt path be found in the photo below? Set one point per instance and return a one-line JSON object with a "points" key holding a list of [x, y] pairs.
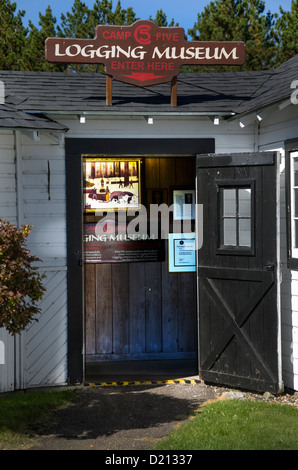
{"points": [[131, 417], [120, 418]]}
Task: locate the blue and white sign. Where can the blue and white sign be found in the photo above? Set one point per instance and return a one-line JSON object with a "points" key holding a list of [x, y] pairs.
{"points": [[182, 252]]}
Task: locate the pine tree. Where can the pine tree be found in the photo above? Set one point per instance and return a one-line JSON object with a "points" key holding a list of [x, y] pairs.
{"points": [[47, 23], [123, 17], [34, 55], [75, 24], [102, 13], [238, 20], [12, 36], [82, 21], [287, 33], [161, 19]]}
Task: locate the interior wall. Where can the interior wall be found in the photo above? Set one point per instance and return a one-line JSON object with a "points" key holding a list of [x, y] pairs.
{"points": [[140, 310]]}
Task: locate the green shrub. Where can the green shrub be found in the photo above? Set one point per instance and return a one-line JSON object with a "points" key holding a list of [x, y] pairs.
{"points": [[21, 285]]}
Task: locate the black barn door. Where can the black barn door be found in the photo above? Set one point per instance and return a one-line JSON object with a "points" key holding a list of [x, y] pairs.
{"points": [[238, 280]]}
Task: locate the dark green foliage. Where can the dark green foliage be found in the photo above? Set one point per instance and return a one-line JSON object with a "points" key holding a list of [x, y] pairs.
{"points": [[161, 19], [287, 33], [270, 39], [34, 57], [20, 282], [12, 36], [238, 20]]}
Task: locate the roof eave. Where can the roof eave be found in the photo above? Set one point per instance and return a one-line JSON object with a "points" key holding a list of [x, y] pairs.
{"points": [[129, 113]]}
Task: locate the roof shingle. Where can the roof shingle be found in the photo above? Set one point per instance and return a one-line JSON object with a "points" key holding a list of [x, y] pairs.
{"points": [[223, 93]]}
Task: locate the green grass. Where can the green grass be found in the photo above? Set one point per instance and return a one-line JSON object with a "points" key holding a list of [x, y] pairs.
{"points": [[237, 425], [18, 410]]}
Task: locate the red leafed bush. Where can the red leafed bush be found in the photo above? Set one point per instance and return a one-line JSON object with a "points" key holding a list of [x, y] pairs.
{"points": [[21, 285]]}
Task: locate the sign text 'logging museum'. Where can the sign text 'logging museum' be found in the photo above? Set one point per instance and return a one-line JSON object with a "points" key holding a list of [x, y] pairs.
{"points": [[143, 54]]}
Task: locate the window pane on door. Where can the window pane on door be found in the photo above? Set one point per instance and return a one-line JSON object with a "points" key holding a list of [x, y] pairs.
{"points": [[295, 170], [236, 217], [229, 203], [244, 232], [230, 232], [245, 202], [296, 202]]}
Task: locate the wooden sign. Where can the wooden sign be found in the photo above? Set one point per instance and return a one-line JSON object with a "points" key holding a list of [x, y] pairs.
{"points": [[143, 54]]}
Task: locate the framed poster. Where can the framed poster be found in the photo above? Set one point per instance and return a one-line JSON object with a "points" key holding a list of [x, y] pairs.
{"points": [[182, 252], [184, 204], [111, 183]]}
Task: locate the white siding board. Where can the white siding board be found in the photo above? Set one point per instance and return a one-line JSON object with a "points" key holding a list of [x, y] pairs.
{"points": [[164, 127], [45, 347], [7, 177], [8, 195], [40, 167], [7, 140], [42, 181], [7, 212], [43, 208], [45, 236], [48, 216], [7, 168], [7, 182], [274, 130], [49, 322], [40, 193], [47, 223], [7, 378], [46, 340]]}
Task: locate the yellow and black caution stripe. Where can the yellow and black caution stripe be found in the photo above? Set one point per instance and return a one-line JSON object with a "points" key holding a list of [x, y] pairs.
{"points": [[144, 382]]}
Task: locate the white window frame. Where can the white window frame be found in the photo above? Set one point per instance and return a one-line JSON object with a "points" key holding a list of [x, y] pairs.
{"points": [[294, 249], [291, 147]]}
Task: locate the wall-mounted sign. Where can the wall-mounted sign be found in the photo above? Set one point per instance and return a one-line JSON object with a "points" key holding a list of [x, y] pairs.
{"points": [[184, 204], [182, 252], [111, 183], [143, 54], [117, 246]]}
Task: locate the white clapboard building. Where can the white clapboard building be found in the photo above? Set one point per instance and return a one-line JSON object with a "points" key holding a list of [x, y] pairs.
{"points": [[232, 142]]}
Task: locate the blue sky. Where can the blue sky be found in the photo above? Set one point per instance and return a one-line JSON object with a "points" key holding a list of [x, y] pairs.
{"points": [[183, 11]]}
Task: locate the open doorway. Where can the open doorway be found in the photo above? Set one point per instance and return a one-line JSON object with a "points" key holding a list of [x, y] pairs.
{"points": [[141, 318], [152, 288]]}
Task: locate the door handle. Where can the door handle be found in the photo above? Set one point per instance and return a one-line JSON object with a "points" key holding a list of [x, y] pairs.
{"points": [[270, 267]]}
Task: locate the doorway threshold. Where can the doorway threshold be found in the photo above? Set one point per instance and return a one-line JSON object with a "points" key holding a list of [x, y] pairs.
{"points": [[141, 372]]}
